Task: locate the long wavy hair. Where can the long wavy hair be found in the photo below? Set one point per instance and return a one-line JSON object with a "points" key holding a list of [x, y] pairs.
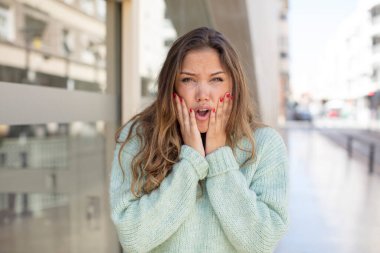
{"points": [[157, 127]]}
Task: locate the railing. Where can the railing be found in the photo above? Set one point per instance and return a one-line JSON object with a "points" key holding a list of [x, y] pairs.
{"points": [[371, 155]]}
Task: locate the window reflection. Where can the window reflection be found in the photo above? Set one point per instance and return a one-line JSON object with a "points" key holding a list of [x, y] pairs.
{"points": [[52, 186], [45, 145], [59, 44], [34, 222], [157, 35]]}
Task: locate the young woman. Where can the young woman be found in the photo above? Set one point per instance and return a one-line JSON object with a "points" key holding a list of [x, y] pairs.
{"points": [[195, 171]]}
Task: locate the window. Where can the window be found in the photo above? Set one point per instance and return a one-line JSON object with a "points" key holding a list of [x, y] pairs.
{"points": [[375, 11], [284, 55], [67, 42], [88, 6], [60, 141], [157, 35], [69, 1], [376, 44], [283, 16], [34, 31], [375, 73], [6, 23], [376, 40], [101, 9]]}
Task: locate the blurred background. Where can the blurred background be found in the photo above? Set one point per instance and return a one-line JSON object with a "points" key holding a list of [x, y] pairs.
{"points": [[73, 71]]}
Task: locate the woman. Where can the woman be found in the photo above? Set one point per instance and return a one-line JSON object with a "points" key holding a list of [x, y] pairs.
{"points": [[195, 171]]}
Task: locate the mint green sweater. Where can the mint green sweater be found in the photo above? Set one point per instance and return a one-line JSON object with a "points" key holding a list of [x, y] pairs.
{"points": [[242, 208]]}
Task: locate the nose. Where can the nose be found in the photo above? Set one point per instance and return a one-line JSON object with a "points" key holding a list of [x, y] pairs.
{"points": [[202, 94]]}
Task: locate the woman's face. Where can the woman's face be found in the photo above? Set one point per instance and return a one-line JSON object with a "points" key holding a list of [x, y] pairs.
{"points": [[202, 81]]}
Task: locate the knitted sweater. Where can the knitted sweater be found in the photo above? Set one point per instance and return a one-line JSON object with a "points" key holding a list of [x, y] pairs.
{"points": [[242, 208]]}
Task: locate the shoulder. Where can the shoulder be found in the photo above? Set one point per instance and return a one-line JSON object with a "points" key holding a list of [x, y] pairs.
{"points": [[129, 129], [262, 136], [270, 144], [267, 135], [123, 131], [264, 140]]}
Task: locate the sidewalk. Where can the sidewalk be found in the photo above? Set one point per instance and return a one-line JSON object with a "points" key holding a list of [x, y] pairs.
{"points": [[334, 203], [372, 125]]}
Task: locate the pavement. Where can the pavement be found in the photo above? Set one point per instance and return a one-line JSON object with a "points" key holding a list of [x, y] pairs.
{"points": [[334, 202]]}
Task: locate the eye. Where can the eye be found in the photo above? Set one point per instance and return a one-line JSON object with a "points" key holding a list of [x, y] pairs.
{"points": [[217, 79], [186, 80]]}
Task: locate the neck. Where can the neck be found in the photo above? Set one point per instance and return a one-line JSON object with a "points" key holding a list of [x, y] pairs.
{"points": [[203, 135]]}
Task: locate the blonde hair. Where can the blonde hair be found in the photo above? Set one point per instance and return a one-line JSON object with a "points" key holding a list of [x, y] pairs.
{"points": [[157, 127]]}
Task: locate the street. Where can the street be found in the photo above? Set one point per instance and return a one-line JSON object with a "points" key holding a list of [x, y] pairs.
{"points": [[334, 202]]}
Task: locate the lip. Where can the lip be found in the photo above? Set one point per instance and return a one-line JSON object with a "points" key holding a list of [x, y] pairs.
{"points": [[205, 117]]}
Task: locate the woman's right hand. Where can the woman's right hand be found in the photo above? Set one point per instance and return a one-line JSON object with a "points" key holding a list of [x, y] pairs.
{"points": [[188, 124]]}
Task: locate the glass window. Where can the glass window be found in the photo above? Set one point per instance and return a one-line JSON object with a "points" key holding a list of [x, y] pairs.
{"points": [[32, 219], [375, 11], [53, 49], [157, 35], [54, 165], [101, 9], [69, 1], [51, 187], [6, 22], [88, 6]]}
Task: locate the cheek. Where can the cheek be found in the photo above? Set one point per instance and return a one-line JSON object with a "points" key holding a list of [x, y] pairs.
{"points": [[186, 95], [180, 91], [221, 91]]}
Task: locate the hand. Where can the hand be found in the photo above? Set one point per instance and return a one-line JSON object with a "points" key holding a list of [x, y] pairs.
{"points": [[216, 134], [188, 124]]}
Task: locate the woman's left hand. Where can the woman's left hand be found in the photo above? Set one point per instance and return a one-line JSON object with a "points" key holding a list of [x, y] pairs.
{"points": [[216, 133]]}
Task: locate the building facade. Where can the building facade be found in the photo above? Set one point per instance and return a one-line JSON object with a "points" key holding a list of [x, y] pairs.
{"points": [[349, 70], [71, 73]]}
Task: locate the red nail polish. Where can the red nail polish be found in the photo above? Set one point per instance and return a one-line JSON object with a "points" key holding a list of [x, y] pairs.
{"points": [[228, 95], [213, 110], [221, 99], [174, 95], [180, 99], [191, 110]]}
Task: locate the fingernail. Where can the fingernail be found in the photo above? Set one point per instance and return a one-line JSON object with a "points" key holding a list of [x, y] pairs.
{"points": [[228, 95], [180, 99], [221, 99], [174, 95], [191, 110], [213, 110]]}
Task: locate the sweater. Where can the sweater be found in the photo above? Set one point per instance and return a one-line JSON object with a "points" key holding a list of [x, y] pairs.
{"points": [[243, 208]]}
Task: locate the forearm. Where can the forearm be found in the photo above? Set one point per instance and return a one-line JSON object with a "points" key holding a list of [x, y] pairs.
{"points": [[252, 222], [144, 223]]}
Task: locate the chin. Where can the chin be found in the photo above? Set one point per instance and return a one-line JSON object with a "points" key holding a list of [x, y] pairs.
{"points": [[202, 129]]}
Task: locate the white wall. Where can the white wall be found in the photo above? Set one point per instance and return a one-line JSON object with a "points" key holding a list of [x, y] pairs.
{"points": [[264, 29]]}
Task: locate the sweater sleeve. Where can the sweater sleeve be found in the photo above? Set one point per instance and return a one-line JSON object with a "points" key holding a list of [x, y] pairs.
{"points": [[144, 223], [253, 214]]}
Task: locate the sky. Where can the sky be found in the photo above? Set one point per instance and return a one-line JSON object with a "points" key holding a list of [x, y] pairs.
{"points": [[311, 24]]}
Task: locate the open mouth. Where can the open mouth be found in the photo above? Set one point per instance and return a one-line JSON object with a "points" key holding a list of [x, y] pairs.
{"points": [[202, 114]]}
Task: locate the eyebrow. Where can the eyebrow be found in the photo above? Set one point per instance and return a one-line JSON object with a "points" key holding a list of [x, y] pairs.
{"points": [[192, 74]]}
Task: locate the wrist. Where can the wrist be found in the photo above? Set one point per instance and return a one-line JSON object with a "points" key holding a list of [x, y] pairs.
{"points": [[213, 148]]}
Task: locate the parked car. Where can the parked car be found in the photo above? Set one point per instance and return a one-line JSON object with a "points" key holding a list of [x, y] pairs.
{"points": [[302, 114], [299, 112]]}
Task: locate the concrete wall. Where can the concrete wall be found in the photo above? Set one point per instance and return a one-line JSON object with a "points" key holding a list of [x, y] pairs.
{"points": [[264, 31]]}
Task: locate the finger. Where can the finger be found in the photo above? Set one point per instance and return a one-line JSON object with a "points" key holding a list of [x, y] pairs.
{"points": [[219, 113], [229, 103], [185, 113], [226, 100], [179, 109], [193, 121], [212, 121]]}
